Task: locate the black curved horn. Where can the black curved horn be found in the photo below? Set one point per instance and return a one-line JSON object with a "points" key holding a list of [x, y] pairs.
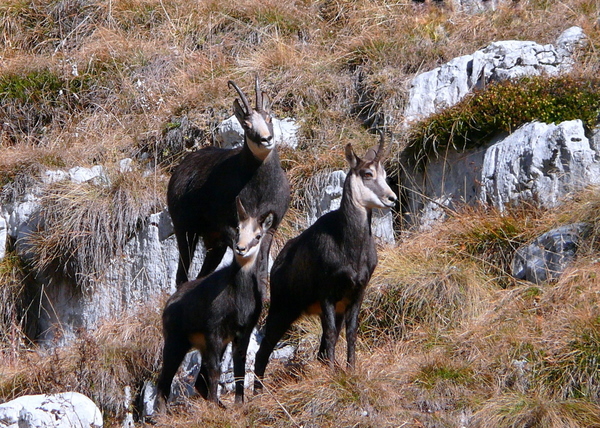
{"points": [[242, 96], [259, 98], [380, 149]]}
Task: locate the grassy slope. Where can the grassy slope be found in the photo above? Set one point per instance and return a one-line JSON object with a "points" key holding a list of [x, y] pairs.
{"points": [[447, 336]]}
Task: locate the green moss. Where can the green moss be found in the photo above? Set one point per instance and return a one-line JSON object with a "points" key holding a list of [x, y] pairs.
{"points": [[503, 107], [40, 86], [432, 374]]}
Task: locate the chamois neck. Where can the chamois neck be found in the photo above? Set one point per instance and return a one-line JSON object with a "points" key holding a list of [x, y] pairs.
{"points": [[355, 214], [249, 157], [245, 264], [259, 153]]}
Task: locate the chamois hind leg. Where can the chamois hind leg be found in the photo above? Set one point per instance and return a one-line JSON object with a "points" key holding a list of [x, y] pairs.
{"points": [[186, 242], [174, 352], [277, 324], [214, 255], [331, 323], [201, 383], [207, 382]]}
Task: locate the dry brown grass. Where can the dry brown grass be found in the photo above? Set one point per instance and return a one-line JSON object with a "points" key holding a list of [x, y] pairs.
{"points": [[448, 338], [442, 343], [121, 353]]}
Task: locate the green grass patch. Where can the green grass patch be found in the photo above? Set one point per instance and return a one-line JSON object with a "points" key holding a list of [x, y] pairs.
{"points": [[432, 374], [573, 371], [40, 86]]}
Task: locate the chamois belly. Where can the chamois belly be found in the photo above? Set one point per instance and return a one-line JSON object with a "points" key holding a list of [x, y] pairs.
{"points": [[340, 307], [198, 341]]}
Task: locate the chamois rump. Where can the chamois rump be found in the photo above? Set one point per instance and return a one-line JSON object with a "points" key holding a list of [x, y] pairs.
{"points": [[326, 269], [202, 190], [209, 313]]}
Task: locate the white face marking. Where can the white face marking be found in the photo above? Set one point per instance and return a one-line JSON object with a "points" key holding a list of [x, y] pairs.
{"points": [[259, 136], [370, 188], [247, 243]]}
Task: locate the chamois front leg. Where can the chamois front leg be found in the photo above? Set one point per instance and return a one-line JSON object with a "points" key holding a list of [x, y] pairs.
{"points": [[277, 323], [263, 262], [214, 255], [239, 350], [352, 313], [186, 242]]}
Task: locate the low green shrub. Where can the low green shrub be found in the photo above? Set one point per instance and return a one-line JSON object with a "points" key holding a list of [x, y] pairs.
{"points": [[503, 107]]}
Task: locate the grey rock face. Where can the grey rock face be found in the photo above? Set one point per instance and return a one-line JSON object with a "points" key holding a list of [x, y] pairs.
{"points": [[475, 6], [570, 40], [447, 183], [446, 85], [143, 270], [548, 255], [539, 162], [97, 174], [66, 410]]}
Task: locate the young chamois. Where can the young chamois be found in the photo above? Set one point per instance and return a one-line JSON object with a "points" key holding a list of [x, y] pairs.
{"points": [[210, 312], [326, 269], [202, 190]]}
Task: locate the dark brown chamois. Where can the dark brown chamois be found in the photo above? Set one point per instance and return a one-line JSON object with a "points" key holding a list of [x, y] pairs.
{"points": [[202, 190], [326, 269], [210, 312]]}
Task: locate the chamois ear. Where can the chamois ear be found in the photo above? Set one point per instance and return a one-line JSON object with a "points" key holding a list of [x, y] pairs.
{"points": [[241, 211], [239, 112], [267, 222], [266, 103], [351, 158]]}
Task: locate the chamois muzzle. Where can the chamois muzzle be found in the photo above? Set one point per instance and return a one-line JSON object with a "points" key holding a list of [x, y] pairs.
{"points": [[389, 200]]}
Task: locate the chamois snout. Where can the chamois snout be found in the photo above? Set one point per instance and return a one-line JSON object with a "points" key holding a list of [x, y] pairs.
{"points": [[389, 200]]}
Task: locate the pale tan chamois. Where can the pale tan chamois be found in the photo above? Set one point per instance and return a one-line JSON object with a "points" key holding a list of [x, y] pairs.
{"points": [[209, 313], [326, 269], [202, 190]]}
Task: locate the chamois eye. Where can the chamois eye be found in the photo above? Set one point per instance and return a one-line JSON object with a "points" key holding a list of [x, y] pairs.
{"points": [[368, 174], [258, 237]]}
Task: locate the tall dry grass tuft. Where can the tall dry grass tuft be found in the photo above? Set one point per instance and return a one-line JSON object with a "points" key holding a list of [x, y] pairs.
{"points": [[515, 410], [13, 307], [84, 225], [101, 364], [418, 293], [585, 207]]}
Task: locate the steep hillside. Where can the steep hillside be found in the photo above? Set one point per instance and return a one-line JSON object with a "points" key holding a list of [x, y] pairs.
{"points": [[448, 337]]}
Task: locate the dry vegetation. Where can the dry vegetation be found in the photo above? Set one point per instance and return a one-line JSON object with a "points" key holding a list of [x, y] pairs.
{"points": [[448, 338]]}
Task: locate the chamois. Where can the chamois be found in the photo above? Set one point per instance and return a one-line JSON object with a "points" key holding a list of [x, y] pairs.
{"points": [[210, 312], [326, 269], [202, 190]]}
